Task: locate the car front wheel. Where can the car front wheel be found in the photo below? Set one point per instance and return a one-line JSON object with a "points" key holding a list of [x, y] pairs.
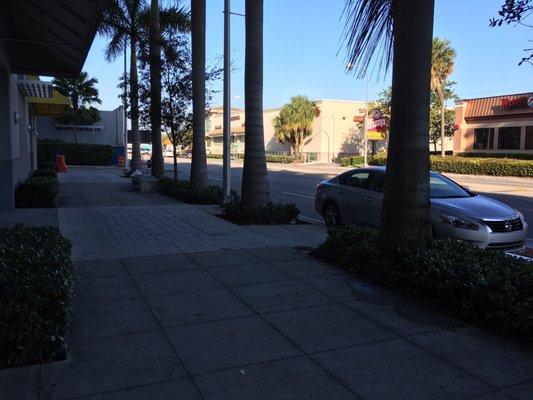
{"points": [[332, 216]]}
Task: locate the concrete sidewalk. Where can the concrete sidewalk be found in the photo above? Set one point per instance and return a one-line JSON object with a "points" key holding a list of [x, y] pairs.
{"points": [[173, 302]]}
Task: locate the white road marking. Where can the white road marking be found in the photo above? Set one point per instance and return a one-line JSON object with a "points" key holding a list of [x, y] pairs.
{"points": [[298, 195], [312, 220], [215, 179]]}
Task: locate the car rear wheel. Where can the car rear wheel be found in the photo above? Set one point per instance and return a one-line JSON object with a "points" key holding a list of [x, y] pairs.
{"points": [[332, 216]]}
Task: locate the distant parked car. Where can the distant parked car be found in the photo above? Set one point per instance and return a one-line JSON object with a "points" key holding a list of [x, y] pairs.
{"points": [[355, 197], [168, 152], [146, 149]]}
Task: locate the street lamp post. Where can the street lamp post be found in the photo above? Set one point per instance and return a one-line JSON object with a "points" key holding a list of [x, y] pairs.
{"points": [[226, 165], [126, 166], [365, 133]]}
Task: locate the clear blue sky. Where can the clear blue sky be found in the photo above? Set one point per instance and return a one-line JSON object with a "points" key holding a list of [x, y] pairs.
{"points": [[302, 43]]}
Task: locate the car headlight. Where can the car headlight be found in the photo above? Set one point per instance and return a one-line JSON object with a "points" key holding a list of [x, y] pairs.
{"points": [[457, 222]]}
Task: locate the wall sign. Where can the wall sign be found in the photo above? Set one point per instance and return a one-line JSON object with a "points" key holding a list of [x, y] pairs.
{"points": [[518, 102], [376, 126]]}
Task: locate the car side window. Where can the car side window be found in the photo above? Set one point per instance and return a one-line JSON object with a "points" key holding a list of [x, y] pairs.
{"points": [[377, 183], [357, 179]]}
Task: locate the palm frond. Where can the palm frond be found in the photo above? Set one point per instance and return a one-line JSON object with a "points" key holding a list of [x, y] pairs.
{"points": [[368, 35]]}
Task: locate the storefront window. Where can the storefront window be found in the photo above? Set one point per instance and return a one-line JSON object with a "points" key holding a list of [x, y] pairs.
{"points": [[483, 139], [509, 138], [529, 138]]}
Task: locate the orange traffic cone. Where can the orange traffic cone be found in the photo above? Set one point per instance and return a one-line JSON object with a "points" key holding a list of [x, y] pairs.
{"points": [[60, 163]]}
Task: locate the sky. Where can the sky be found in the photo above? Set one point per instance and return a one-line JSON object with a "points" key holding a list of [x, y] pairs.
{"points": [[303, 54]]}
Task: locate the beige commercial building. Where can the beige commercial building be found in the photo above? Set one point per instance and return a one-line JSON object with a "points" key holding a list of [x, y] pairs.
{"points": [[336, 131], [500, 124]]}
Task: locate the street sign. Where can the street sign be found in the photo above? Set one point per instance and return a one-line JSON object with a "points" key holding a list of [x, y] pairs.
{"points": [[376, 126]]}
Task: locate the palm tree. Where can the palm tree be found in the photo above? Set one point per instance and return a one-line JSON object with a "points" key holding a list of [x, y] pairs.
{"points": [[158, 168], [255, 191], [198, 178], [401, 31], [121, 23], [81, 94], [443, 59], [294, 123]]}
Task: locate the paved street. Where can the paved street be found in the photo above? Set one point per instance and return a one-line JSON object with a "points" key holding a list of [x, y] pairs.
{"points": [[290, 183], [172, 302]]}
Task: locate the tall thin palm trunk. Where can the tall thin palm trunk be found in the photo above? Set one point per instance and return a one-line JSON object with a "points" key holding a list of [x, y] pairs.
{"points": [[134, 99], [158, 168], [255, 190], [198, 178], [405, 217], [442, 124]]}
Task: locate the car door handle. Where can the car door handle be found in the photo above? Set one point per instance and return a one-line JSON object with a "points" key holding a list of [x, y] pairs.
{"points": [[367, 198]]}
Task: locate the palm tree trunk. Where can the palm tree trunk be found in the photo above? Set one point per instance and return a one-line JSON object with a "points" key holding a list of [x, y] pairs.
{"points": [[405, 217], [442, 123], [198, 178], [134, 100], [175, 159], [255, 190], [158, 168]]}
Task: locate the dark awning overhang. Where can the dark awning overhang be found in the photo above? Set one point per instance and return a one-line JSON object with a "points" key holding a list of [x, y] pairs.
{"points": [[49, 37]]}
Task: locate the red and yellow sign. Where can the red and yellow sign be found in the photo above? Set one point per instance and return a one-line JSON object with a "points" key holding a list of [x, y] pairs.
{"points": [[376, 126]]}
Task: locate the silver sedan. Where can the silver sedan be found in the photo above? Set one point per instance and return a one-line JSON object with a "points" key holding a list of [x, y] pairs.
{"points": [[355, 197]]}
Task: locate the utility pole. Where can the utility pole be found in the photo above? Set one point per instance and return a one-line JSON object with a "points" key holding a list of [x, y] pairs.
{"points": [[125, 102], [365, 125], [226, 165]]}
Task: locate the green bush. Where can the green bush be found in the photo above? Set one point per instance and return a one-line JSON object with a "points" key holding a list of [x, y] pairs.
{"points": [[182, 191], [280, 158], [354, 161], [482, 286], [75, 153], [47, 165], [35, 291], [44, 172], [474, 166], [271, 214], [37, 192], [215, 156], [516, 156]]}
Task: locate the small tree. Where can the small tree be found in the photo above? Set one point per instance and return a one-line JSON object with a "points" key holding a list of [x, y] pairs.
{"points": [[295, 123], [435, 123], [81, 94]]}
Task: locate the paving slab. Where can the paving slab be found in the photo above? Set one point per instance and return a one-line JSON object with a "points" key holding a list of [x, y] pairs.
{"points": [[223, 258], [396, 369], [281, 296], [405, 317], [494, 395], [20, 383], [246, 274], [99, 269], [307, 268], [278, 253], [492, 359], [106, 289], [521, 391], [193, 307], [328, 327], [99, 319], [214, 346], [170, 262], [165, 283], [345, 287], [290, 379], [179, 389], [111, 363]]}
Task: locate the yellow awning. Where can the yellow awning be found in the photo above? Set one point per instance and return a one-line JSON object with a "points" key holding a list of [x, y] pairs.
{"points": [[49, 107]]}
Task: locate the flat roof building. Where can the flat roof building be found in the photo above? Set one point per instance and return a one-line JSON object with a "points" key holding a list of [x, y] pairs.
{"points": [[498, 124]]}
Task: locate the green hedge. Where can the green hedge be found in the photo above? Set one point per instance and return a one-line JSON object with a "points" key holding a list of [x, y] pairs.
{"points": [[354, 161], [182, 191], [475, 166], [35, 291], [516, 156], [485, 287], [271, 214], [75, 154], [45, 172], [271, 158], [37, 192]]}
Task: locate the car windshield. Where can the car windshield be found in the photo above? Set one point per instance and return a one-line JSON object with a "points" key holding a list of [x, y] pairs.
{"points": [[443, 188]]}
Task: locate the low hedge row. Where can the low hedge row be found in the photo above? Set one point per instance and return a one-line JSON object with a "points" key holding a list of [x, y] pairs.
{"points": [[485, 287], [354, 161], [271, 214], [45, 172], [182, 191], [35, 291], [75, 153], [516, 156], [474, 166], [40, 191], [271, 158]]}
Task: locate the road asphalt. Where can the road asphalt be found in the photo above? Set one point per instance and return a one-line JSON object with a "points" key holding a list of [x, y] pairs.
{"points": [[297, 184]]}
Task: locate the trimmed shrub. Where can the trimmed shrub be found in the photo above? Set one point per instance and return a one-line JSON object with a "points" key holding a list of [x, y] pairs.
{"points": [[482, 286], [37, 192], [44, 172], [182, 191], [75, 153], [474, 166], [271, 214], [280, 158], [47, 165], [215, 156], [516, 156], [353, 161], [35, 291]]}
